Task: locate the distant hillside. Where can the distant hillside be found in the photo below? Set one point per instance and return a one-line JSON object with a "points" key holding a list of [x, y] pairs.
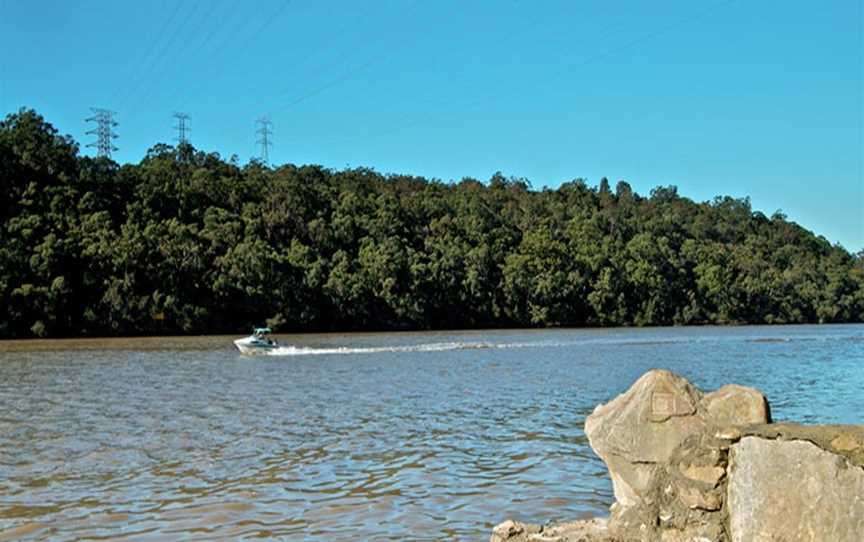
{"points": [[186, 242]]}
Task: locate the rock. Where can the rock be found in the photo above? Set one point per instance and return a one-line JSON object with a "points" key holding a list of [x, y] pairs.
{"points": [[841, 439], [793, 490], [694, 467], [707, 475], [587, 530], [696, 499], [728, 433], [512, 531], [638, 430], [845, 443], [633, 522], [734, 405], [693, 534]]}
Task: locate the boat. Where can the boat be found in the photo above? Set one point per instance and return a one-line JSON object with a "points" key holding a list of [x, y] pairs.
{"points": [[257, 343]]}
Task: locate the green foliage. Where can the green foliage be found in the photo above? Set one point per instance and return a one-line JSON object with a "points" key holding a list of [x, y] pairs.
{"points": [[185, 242]]}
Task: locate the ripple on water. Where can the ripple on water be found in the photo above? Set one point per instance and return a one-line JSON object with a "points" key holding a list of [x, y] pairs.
{"points": [[375, 436]]}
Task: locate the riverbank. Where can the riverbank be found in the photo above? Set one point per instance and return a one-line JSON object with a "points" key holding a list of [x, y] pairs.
{"points": [[690, 466], [752, 332]]}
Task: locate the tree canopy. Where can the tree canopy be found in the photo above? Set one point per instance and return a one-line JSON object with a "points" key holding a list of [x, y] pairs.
{"points": [[187, 242]]}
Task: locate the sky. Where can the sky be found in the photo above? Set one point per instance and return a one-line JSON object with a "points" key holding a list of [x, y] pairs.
{"points": [[759, 99]]}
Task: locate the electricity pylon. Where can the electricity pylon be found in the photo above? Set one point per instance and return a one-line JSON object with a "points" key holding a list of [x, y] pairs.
{"points": [[104, 132]]}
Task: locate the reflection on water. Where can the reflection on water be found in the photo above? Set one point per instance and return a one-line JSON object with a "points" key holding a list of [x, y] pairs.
{"points": [[418, 436]]}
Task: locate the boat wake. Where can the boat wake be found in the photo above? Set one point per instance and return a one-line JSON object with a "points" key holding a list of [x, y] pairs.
{"points": [[460, 345], [477, 345], [429, 347]]}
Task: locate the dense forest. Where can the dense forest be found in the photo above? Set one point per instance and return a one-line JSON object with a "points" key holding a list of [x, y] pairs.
{"points": [[187, 242]]}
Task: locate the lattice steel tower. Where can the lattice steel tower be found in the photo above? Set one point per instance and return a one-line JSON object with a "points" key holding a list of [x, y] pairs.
{"points": [[265, 132], [105, 135], [182, 127]]}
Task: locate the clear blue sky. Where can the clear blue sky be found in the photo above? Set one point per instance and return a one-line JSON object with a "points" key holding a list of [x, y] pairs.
{"points": [[745, 98]]}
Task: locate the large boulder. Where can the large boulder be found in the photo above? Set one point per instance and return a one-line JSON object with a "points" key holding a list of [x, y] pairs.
{"points": [[693, 467], [794, 490], [637, 431]]}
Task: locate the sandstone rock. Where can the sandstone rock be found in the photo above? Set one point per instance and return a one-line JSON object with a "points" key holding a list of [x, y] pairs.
{"points": [[691, 482], [845, 443], [728, 433], [736, 405], [837, 438], [694, 467], [512, 531], [587, 530], [634, 522], [638, 430], [707, 475], [793, 490], [696, 534], [694, 498]]}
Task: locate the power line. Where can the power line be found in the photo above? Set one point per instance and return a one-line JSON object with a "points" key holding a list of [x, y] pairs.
{"points": [[182, 128], [264, 131], [350, 72], [146, 72], [487, 99], [180, 53], [332, 83], [229, 38], [344, 32], [136, 67], [208, 52], [104, 132]]}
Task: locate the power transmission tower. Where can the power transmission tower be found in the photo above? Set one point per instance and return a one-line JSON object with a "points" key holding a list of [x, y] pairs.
{"points": [[182, 128], [105, 135], [264, 131]]}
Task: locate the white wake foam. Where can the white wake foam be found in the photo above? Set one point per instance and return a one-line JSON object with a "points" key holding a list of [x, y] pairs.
{"points": [[429, 347], [458, 345], [472, 345]]}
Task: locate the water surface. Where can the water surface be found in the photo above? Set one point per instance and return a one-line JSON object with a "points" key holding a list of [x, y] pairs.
{"points": [[408, 436]]}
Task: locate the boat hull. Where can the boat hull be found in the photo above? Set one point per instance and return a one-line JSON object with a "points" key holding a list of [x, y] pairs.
{"points": [[253, 346]]}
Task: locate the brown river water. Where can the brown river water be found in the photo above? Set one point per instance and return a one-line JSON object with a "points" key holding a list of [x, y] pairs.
{"points": [[391, 436]]}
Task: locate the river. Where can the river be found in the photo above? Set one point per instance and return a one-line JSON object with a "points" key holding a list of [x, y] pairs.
{"points": [[390, 436]]}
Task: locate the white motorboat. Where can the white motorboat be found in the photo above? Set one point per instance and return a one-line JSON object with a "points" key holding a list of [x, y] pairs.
{"points": [[257, 343]]}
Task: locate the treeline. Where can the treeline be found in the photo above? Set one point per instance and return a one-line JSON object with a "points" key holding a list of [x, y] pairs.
{"points": [[186, 242]]}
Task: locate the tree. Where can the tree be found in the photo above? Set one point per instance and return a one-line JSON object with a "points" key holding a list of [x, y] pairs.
{"points": [[186, 242]]}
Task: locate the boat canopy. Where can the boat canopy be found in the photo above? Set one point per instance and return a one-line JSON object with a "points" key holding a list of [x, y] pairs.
{"points": [[261, 331]]}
